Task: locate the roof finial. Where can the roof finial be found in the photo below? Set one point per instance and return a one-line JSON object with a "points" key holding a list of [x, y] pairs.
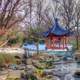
{"points": [[56, 20]]}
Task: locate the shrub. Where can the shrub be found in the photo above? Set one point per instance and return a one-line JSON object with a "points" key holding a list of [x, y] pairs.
{"points": [[6, 59]]}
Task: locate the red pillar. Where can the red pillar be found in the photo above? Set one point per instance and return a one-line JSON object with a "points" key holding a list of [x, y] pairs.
{"points": [[63, 42]]}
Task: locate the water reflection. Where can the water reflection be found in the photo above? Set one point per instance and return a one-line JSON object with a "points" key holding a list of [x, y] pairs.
{"points": [[66, 71], [69, 77]]}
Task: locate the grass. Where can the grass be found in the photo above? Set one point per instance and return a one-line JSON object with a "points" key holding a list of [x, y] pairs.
{"points": [[7, 59]]}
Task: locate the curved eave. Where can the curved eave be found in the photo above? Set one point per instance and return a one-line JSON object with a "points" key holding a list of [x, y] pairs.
{"points": [[57, 30], [46, 34]]}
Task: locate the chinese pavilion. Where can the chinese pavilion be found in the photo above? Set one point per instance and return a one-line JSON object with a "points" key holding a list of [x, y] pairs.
{"points": [[57, 37]]}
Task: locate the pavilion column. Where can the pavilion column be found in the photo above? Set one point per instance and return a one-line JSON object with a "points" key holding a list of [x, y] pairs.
{"points": [[53, 42], [67, 41], [49, 43], [63, 42], [59, 43]]}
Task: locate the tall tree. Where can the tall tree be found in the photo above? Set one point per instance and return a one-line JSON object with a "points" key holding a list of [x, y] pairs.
{"points": [[66, 10], [77, 22], [10, 13]]}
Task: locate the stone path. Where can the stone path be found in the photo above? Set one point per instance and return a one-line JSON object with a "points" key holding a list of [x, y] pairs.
{"points": [[11, 74], [12, 50], [3, 77]]}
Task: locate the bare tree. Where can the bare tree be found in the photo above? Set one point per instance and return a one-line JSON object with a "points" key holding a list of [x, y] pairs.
{"points": [[39, 12], [66, 9], [50, 13], [10, 13], [70, 12], [77, 22]]}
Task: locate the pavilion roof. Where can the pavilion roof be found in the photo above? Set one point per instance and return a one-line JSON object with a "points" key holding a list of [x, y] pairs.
{"points": [[57, 30]]}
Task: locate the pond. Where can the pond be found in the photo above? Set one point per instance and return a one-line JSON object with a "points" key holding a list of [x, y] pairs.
{"points": [[42, 48], [33, 47], [68, 70]]}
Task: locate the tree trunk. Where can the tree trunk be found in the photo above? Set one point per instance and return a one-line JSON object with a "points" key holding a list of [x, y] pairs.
{"points": [[37, 48], [77, 38], [77, 42]]}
